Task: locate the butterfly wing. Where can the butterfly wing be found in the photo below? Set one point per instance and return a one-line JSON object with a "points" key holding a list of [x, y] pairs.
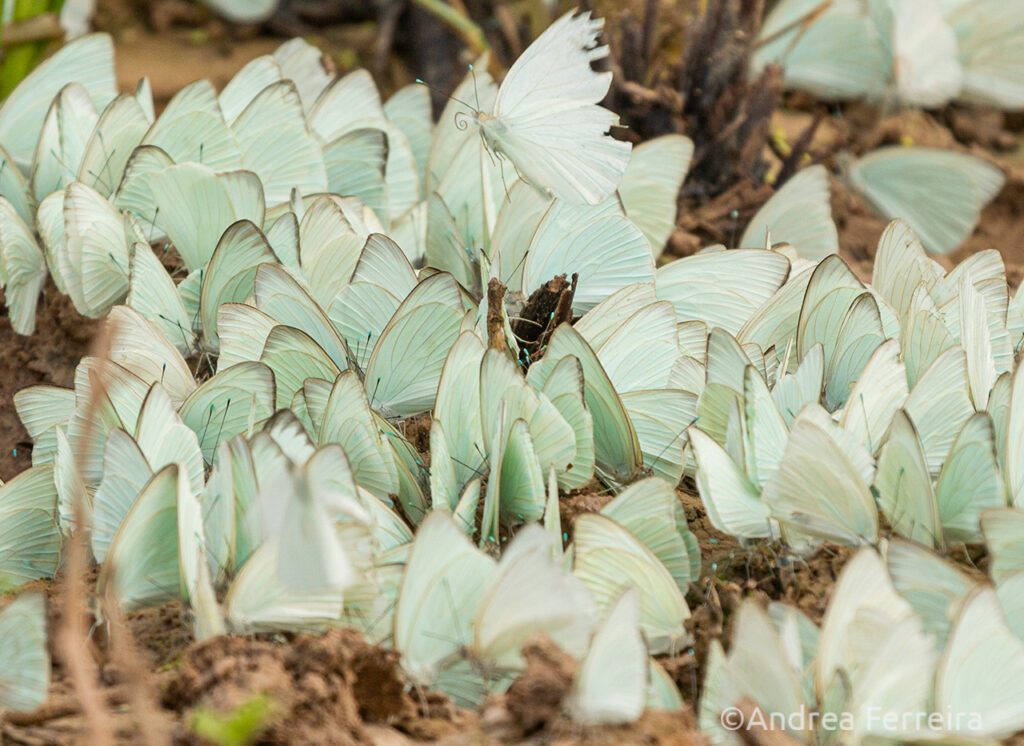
{"points": [[545, 118]]}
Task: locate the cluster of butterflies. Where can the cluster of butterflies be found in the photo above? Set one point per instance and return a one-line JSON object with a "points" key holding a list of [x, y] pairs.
{"points": [[909, 52], [294, 521], [911, 649], [901, 395], [90, 180], [335, 253]]}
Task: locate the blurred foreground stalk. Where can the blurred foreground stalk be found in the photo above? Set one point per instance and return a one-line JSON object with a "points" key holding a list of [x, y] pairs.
{"points": [[456, 17], [29, 27]]}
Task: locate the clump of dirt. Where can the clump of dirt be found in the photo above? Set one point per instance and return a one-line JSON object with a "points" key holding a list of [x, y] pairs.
{"points": [[721, 220], [161, 633], [684, 67], [804, 582], [322, 689], [574, 505], [713, 602], [533, 709], [546, 308], [337, 689], [732, 572], [654, 728], [715, 547], [417, 432], [766, 570], [534, 701], [50, 356]]}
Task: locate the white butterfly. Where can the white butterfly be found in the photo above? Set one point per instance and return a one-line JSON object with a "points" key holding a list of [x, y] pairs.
{"points": [[799, 214], [925, 70], [88, 60], [939, 193], [829, 49], [611, 684], [989, 35], [25, 660], [650, 187], [546, 120], [29, 539]]}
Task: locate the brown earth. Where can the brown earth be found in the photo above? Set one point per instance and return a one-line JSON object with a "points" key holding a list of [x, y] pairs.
{"points": [[50, 355], [329, 689]]}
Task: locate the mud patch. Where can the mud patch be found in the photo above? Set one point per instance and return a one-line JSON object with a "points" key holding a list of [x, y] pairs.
{"points": [[162, 633], [50, 355], [653, 728], [417, 432], [574, 505], [535, 699], [317, 690]]}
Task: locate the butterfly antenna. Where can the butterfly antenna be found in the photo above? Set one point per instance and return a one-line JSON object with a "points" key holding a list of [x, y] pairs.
{"points": [[64, 164], [100, 177], [522, 261], [383, 615], [483, 456], [206, 424], [524, 320], [180, 328], [674, 439], [201, 541], [362, 350], [734, 216], [354, 612], [373, 398], [209, 503], [223, 420], [113, 260], [456, 622], [473, 469], [897, 515], [160, 587], [418, 513], [476, 92], [197, 314], [422, 82], [501, 168]]}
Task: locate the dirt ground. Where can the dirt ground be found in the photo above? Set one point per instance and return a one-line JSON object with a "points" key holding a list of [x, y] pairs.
{"points": [[155, 686], [336, 689], [50, 355]]}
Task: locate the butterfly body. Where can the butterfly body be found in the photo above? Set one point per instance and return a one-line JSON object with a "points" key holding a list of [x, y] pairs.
{"points": [[492, 129]]}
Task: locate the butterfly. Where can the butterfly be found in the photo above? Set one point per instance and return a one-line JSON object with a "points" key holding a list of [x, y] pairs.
{"points": [[546, 120]]}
